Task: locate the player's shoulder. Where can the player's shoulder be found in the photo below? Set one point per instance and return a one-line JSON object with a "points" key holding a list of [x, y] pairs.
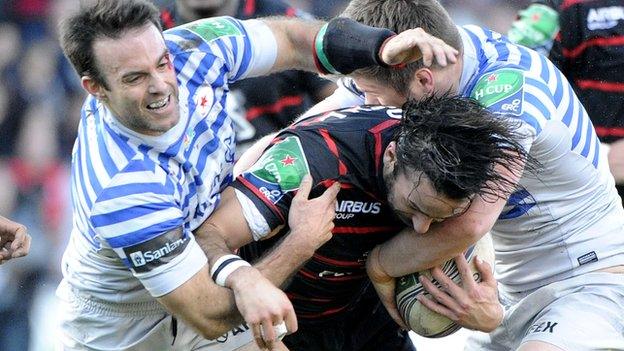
{"points": [[201, 33], [356, 118]]}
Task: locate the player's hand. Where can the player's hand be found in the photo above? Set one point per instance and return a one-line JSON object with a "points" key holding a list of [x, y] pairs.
{"points": [[414, 44], [312, 220], [262, 305], [472, 305], [384, 285], [14, 240]]}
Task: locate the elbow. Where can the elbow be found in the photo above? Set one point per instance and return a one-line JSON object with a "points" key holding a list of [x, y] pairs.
{"points": [[213, 329], [475, 231], [212, 333]]}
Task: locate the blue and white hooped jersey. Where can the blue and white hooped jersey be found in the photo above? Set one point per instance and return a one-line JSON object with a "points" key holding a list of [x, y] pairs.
{"points": [[568, 218], [137, 198]]}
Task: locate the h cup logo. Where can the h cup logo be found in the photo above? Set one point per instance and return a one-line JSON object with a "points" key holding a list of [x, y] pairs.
{"points": [[137, 258]]}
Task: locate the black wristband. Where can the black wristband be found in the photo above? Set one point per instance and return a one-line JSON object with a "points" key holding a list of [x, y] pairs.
{"points": [[344, 45]]}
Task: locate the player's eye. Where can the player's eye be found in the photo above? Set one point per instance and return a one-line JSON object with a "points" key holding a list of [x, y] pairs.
{"points": [[133, 79]]}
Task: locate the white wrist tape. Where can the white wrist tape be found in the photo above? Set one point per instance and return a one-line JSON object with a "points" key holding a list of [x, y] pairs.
{"points": [[225, 266]]}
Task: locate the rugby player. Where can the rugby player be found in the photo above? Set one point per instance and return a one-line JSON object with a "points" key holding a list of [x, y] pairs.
{"points": [[433, 158], [155, 147], [559, 237]]}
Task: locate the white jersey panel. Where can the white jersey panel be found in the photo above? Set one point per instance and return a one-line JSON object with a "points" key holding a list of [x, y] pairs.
{"points": [[563, 220]]}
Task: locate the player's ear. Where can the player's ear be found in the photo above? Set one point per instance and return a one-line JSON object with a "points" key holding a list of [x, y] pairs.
{"points": [[422, 83], [93, 87], [389, 155]]}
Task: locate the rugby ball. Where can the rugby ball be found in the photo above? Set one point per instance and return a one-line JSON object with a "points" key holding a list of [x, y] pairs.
{"points": [[419, 318]]}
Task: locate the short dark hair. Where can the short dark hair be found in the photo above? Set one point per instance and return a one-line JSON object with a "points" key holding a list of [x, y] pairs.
{"points": [[399, 16], [460, 146], [102, 19]]}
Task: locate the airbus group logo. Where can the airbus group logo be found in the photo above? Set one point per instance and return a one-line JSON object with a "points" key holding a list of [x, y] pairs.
{"points": [[347, 209]]}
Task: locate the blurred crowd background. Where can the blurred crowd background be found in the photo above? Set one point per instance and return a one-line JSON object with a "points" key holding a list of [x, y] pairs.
{"points": [[40, 100]]}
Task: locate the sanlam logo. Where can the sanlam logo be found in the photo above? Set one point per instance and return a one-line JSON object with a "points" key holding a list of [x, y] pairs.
{"points": [[141, 258], [604, 17]]}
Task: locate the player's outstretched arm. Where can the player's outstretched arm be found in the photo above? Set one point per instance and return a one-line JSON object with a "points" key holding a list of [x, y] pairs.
{"points": [[212, 310], [260, 302], [310, 222], [14, 240], [255, 297], [343, 45]]}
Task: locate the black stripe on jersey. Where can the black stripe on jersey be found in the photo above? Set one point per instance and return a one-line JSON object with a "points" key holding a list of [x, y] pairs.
{"points": [[156, 252]]}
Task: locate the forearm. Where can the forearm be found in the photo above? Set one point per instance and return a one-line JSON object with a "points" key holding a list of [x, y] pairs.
{"points": [[340, 46], [283, 261], [209, 309], [212, 242], [295, 39], [409, 252]]}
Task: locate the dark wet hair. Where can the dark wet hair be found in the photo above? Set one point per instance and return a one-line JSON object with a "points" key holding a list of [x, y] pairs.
{"points": [[460, 146]]}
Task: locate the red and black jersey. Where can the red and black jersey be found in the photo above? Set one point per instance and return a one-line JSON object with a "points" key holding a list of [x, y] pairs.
{"points": [[589, 50], [271, 102], [346, 146]]}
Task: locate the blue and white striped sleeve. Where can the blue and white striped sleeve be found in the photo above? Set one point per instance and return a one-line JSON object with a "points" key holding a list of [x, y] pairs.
{"points": [[245, 48], [139, 218]]}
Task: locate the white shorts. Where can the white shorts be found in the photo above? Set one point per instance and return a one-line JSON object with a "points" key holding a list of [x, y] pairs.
{"points": [[89, 325], [580, 313]]}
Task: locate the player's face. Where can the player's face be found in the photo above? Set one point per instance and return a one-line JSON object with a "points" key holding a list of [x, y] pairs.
{"points": [[416, 202], [142, 90]]}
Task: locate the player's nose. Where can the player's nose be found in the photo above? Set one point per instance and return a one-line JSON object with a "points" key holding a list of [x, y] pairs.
{"points": [[158, 84], [421, 223]]}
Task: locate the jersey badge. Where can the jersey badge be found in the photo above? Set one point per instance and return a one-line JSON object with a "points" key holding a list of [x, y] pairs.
{"points": [[210, 29], [501, 91], [280, 169], [203, 100]]}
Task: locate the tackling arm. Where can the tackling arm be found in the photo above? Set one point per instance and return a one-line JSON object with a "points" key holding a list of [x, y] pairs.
{"points": [[332, 53], [404, 254], [208, 308]]}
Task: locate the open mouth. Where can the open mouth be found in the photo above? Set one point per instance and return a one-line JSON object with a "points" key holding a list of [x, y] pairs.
{"points": [[159, 104]]}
